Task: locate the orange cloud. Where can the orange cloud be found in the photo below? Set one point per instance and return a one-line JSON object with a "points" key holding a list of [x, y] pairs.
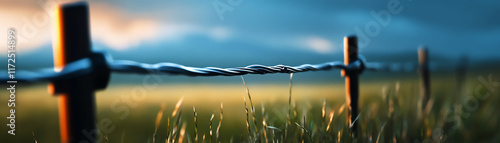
{"points": [[112, 26], [31, 23]]}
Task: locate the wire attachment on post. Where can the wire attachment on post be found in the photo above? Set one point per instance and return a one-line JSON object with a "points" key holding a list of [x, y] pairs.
{"points": [[356, 67], [100, 69], [96, 65]]}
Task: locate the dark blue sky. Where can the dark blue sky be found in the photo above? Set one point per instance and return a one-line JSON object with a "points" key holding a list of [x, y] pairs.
{"points": [[316, 28]]}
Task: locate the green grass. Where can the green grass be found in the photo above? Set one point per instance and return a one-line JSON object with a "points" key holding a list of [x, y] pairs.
{"points": [[389, 111]]}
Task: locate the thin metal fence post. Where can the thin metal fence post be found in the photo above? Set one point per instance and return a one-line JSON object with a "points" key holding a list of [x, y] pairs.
{"points": [[77, 118], [424, 76], [351, 80], [461, 75]]}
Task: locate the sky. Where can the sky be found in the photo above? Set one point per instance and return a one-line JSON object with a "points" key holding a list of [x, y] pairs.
{"points": [[230, 33]]}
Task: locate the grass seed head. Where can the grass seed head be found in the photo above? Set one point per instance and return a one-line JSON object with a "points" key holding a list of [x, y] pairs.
{"points": [[195, 114], [220, 121], [330, 122], [158, 120], [210, 125]]}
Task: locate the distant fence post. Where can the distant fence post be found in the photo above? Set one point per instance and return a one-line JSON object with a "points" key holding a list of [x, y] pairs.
{"points": [[461, 75], [351, 80], [423, 62], [76, 99]]}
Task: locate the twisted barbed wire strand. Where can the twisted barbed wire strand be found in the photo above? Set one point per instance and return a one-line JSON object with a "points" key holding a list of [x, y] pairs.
{"points": [[83, 66], [74, 69], [124, 66]]}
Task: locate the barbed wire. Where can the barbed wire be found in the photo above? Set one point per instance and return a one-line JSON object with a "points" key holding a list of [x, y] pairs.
{"points": [[176, 69], [84, 66], [75, 69]]}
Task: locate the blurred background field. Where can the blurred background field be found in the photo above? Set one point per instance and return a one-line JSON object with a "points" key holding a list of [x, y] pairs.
{"points": [[37, 110]]}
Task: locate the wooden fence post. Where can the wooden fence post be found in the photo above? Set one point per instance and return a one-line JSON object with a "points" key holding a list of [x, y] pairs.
{"points": [[351, 80], [424, 76], [76, 95]]}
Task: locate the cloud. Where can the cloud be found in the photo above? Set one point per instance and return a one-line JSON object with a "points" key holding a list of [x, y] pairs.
{"points": [[115, 28], [220, 33], [119, 30], [318, 44], [111, 26], [31, 23]]}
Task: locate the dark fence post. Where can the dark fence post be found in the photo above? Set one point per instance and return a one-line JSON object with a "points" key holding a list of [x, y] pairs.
{"points": [[351, 80], [76, 99], [424, 76], [461, 75]]}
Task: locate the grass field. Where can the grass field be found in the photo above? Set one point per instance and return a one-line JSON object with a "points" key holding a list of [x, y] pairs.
{"points": [[390, 112]]}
